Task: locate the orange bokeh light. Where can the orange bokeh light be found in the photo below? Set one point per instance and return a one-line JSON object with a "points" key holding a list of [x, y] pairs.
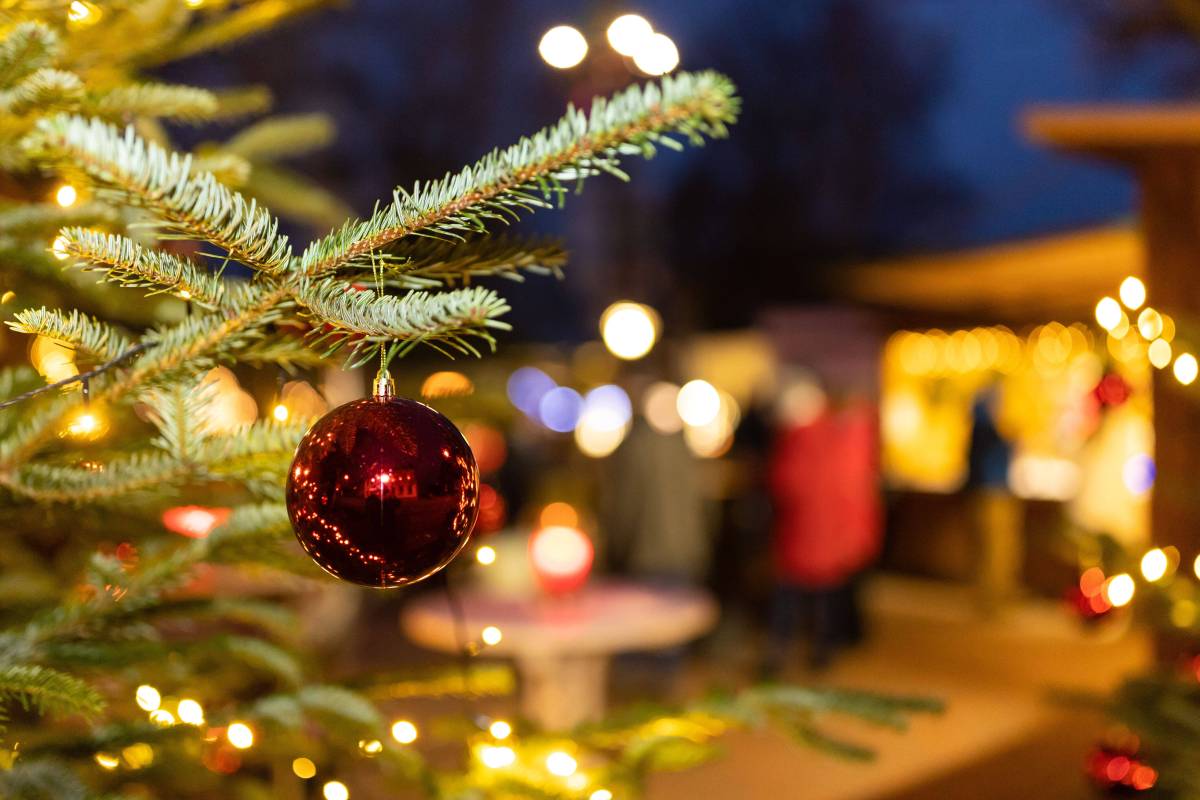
{"points": [[559, 513], [195, 522]]}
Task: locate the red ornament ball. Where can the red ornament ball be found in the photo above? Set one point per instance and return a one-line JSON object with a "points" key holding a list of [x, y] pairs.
{"points": [[383, 492]]}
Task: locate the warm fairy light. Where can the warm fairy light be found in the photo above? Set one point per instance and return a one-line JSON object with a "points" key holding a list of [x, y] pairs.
{"points": [[59, 248], [107, 760], [486, 555], [629, 329], [193, 3], [1132, 293], [195, 522], [657, 55], [335, 790], [184, 294], [66, 195], [280, 412], [497, 756], [1109, 313], [190, 712], [559, 513], [1154, 564], [1196, 566], [404, 731], [629, 32], [1119, 590], [500, 729], [1186, 368], [148, 698], [1150, 324], [138, 755], [659, 408], [84, 425], [303, 768], [162, 718], [491, 635], [561, 764], [1159, 353], [561, 558], [81, 12], [370, 747], [600, 794], [447, 383], [562, 47], [698, 403], [240, 735]]}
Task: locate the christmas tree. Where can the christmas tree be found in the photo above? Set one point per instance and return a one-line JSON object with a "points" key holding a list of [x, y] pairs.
{"points": [[131, 655]]}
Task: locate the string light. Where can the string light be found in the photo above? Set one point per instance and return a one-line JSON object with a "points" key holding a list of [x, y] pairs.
{"points": [[162, 718], [81, 12], [1196, 566], [404, 731], [628, 33], [600, 794], [147, 697], [1150, 324], [1132, 293], [190, 712], [1119, 590], [1186, 368], [240, 735], [1109, 313], [486, 555], [303, 768], [66, 196], [370, 747], [138, 755], [561, 764], [491, 635], [280, 412], [563, 47], [335, 790], [497, 756], [500, 729], [1154, 564], [86, 424], [107, 761]]}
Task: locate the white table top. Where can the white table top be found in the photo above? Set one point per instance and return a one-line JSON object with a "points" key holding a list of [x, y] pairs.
{"points": [[601, 619]]}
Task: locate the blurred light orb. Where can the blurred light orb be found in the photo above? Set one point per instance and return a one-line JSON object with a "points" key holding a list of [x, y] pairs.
{"points": [[486, 555], [138, 756], [194, 522], [698, 403], [446, 383], [1196, 566], [658, 407], [1137, 473], [1150, 324], [657, 55], [595, 438], [497, 756], [280, 412], [561, 764], [488, 445], [59, 248], [52, 359], [147, 697], [162, 718], [335, 790], [560, 408], [240, 735], [1159, 353], [526, 387], [1154, 564], [404, 731], [714, 438], [500, 729], [561, 558], [190, 712], [1132, 293], [370, 747], [86, 424], [1108, 313], [303, 768], [1119, 590], [601, 794], [628, 33], [610, 403], [559, 513], [491, 636], [629, 329], [1186, 368], [107, 760], [66, 196], [562, 47]]}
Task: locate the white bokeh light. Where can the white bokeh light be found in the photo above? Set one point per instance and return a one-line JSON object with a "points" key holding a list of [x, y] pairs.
{"points": [[562, 47]]}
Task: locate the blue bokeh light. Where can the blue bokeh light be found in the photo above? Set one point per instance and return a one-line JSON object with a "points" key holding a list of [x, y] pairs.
{"points": [[526, 388], [559, 409]]}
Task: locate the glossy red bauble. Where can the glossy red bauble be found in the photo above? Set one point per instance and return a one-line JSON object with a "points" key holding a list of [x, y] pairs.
{"points": [[383, 492]]}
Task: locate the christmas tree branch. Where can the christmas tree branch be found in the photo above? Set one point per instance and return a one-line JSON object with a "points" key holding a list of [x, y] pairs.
{"points": [[96, 340], [429, 263], [532, 173], [162, 100], [27, 47]]}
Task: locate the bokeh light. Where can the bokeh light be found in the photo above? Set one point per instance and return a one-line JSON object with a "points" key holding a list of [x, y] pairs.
{"points": [[560, 409], [604, 422], [303, 768], [562, 47], [148, 698], [190, 712], [561, 558], [698, 403], [497, 756], [1119, 590], [1186, 368], [559, 513], [629, 329], [1138, 473], [561, 764], [1109, 313], [657, 55], [447, 383], [491, 636], [1132, 293], [1150, 324], [1154, 564], [66, 196], [335, 790], [404, 731], [659, 408], [195, 522], [526, 387], [500, 729], [486, 555], [1159, 353], [628, 32], [240, 735]]}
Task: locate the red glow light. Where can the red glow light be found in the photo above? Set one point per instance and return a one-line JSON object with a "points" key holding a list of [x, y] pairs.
{"points": [[561, 558], [195, 522], [1091, 582]]}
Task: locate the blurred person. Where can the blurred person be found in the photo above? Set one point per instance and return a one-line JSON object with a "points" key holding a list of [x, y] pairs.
{"points": [[995, 512], [823, 477]]}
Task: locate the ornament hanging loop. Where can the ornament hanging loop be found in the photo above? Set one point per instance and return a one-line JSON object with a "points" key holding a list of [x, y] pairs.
{"points": [[384, 388]]}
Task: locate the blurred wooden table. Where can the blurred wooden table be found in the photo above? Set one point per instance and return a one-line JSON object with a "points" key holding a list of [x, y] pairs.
{"points": [[562, 645]]}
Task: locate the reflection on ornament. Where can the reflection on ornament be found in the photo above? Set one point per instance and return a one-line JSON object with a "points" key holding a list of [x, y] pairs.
{"points": [[383, 492], [561, 558], [195, 522]]}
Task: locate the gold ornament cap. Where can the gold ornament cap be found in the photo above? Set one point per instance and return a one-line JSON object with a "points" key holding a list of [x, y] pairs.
{"points": [[384, 387]]}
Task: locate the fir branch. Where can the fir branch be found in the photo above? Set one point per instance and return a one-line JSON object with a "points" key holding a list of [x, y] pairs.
{"points": [[532, 173], [27, 47], [194, 204], [161, 100], [449, 317], [178, 412], [126, 262], [45, 218], [48, 691], [42, 779], [429, 263], [282, 136], [96, 340], [116, 479], [44, 89]]}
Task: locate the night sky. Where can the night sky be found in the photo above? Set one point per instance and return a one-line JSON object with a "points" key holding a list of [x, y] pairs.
{"points": [[871, 128]]}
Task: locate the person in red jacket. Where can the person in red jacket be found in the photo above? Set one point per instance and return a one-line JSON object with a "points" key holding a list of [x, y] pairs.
{"points": [[823, 477]]}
